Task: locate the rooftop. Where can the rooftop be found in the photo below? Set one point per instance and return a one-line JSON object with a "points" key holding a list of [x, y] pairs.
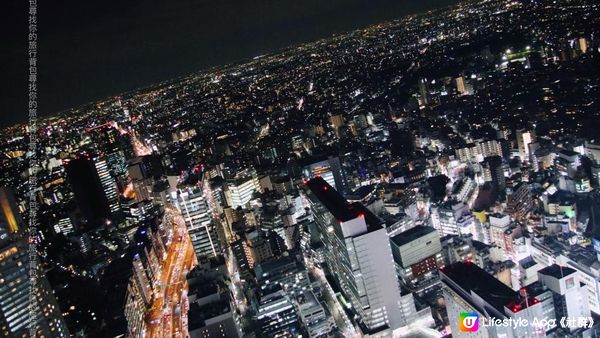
{"points": [[411, 234], [337, 205], [557, 271], [473, 279]]}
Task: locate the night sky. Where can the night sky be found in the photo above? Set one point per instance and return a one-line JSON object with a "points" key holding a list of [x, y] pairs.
{"points": [[92, 49]]}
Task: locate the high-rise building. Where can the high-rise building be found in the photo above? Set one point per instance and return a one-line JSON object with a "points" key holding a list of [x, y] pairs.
{"points": [[417, 253], [476, 152], [524, 138], [329, 168], [569, 294], [454, 218], [460, 85], [109, 185], [502, 234], [212, 314], [203, 233], [519, 201], [15, 284], [63, 226], [88, 189], [277, 316], [359, 258], [494, 172], [583, 45], [243, 256], [469, 289], [423, 91], [239, 191]]}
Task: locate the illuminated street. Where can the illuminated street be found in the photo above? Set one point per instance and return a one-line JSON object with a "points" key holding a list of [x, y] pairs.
{"points": [[339, 315], [166, 318]]}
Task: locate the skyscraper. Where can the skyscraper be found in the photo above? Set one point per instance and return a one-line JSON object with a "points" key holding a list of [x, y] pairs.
{"points": [[15, 284], [460, 85], [329, 168], [88, 189], [239, 191], [524, 138], [493, 172], [109, 186], [359, 258], [193, 206]]}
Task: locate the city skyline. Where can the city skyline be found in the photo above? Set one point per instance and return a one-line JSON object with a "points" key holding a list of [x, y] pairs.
{"points": [[433, 176], [93, 50]]}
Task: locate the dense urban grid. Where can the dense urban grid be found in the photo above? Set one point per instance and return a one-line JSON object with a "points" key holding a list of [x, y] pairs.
{"points": [[377, 183]]}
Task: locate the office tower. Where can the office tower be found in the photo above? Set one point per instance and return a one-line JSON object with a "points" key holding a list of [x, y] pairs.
{"points": [[243, 257], [564, 282], [524, 138], [494, 172], [141, 172], [63, 226], [292, 277], [109, 186], [15, 284], [417, 253], [213, 186], [117, 165], [286, 271], [134, 310], [460, 85], [239, 191], [203, 233], [277, 316], [212, 313], [469, 289], [329, 168], [138, 298], [367, 280], [140, 277], [313, 316], [454, 218], [259, 245], [88, 190]]}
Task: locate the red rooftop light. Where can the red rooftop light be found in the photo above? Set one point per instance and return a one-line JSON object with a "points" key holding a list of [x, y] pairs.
{"points": [[325, 188]]}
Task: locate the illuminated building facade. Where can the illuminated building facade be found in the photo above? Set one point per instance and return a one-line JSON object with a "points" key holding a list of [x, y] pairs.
{"points": [[15, 283]]}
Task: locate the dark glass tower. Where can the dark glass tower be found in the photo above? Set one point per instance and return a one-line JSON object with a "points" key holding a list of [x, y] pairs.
{"points": [[88, 189]]}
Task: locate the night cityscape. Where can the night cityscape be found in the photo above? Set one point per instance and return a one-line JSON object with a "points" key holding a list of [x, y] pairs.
{"points": [[437, 175]]}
